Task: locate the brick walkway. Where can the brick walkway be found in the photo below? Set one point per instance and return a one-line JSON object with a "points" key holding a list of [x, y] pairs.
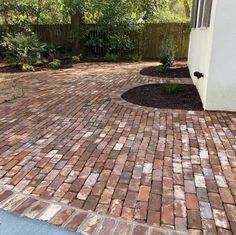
{"points": [[74, 154]]}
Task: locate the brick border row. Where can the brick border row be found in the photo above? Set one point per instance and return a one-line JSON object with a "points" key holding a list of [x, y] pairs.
{"points": [[73, 219]]}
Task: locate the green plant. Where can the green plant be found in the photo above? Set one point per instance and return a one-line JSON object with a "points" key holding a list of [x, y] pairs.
{"points": [[171, 88], [75, 59], [167, 50], [55, 63], [23, 48], [110, 57], [27, 68], [8, 59], [163, 69], [134, 57]]}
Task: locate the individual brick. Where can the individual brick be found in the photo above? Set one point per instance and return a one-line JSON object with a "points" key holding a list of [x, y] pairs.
{"points": [[76, 221], [194, 219], [140, 230], [122, 229], [192, 201], [25, 205], [144, 193], [220, 218], [62, 217], [50, 212], [167, 215], [91, 224], [106, 227]]}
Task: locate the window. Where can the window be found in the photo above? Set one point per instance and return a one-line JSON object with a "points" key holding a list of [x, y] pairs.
{"points": [[207, 13], [200, 16], [201, 13]]}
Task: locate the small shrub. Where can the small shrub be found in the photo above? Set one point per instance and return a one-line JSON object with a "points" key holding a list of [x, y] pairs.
{"points": [[10, 60], [51, 52], [171, 88], [27, 68], [110, 58], [163, 69], [23, 48], [45, 61], [55, 63], [167, 51], [134, 57], [75, 59]]}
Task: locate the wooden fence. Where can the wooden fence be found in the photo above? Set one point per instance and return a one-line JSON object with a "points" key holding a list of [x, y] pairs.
{"points": [[147, 42]]}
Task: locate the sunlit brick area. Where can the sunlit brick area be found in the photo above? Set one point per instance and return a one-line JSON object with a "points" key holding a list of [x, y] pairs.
{"points": [[74, 154]]}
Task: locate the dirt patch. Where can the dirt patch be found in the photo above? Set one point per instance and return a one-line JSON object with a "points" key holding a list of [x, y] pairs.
{"points": [[9, 89], [174, 72], [153, 95]]}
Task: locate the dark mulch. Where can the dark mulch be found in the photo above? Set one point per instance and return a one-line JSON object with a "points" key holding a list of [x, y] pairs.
{"points": [[174, 72], [65, 64], [153, 95]]}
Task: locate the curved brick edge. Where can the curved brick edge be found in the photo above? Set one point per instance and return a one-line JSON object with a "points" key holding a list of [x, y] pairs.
{"points": [[116, 97], [74, 219]]}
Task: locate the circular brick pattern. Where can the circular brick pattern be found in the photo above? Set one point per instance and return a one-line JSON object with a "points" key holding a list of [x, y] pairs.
{"points": [[75, 149]]}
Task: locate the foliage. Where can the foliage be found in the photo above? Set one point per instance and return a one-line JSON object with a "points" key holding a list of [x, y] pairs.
{"points": [[114, 24], [110, 58], [51, 51], [167, 50], [23, 48], [8, 59], [75, 59], [55, 63], [162, 69], [116, 20], [111, 40], [27, 68], [60, 11], [171, 88], [21, 13], [28, 12], [134, 57]]}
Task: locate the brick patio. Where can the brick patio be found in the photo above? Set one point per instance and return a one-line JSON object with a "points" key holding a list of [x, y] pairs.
{"points": [[72, 153]]}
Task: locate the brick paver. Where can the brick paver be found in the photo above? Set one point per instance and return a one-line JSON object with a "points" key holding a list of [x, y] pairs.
{"points": [[73, 153]]}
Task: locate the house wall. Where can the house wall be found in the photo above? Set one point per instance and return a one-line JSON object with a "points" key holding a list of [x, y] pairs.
{"points": [[213, 52]]}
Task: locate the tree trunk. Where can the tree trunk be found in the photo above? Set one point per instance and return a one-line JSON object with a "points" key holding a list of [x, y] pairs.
{"points": [[76, 22], [187, 9]]}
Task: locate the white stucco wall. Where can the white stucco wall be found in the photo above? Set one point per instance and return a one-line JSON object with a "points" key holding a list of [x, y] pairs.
{"points": [[213, 52]]}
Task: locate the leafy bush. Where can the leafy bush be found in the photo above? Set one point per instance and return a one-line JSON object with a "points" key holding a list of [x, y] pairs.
{"points": [[27, 68], [8, 59], [134, 57], [116, 25], [75, 59], [55, 64], [171, 88], [163, 69], [167, 50], [22, 48], [101, 39], [110, 58], [51, 52]]}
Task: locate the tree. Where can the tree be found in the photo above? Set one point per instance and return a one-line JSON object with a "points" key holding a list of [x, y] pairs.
{"points": [[76, 9], [18, 12]]}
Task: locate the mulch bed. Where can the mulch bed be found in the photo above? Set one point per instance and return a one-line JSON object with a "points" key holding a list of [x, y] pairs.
{"points": [[39, 67], [153, 95], [174, 72]]}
